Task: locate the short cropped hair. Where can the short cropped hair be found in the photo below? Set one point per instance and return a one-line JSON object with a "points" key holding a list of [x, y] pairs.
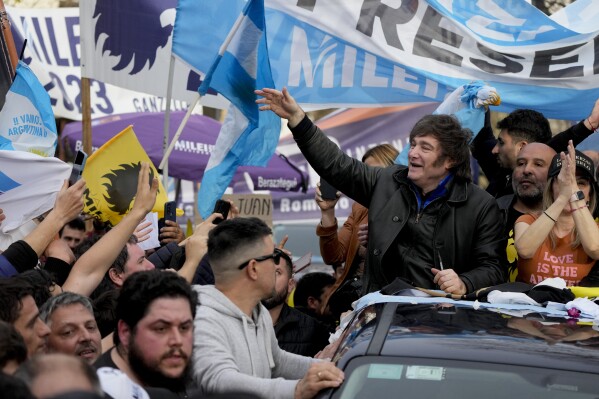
{"points": [[29, 371], [453, 141], [234, 234], [142, 288], [60, 300], [526, 125], [75, 224]]}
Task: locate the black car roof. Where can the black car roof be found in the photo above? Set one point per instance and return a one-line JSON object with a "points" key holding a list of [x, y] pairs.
{"points": [[443, 331]]}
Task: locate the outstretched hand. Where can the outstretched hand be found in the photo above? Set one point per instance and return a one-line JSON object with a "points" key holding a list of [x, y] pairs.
{"points": [[282, 104]]}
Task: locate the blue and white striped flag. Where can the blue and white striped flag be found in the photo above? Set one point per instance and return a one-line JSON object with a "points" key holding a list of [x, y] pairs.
{"points": [[26, 120], [248, 137]]}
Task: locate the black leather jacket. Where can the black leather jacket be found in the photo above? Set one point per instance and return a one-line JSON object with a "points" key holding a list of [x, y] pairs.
{"points": [[468, 233]]}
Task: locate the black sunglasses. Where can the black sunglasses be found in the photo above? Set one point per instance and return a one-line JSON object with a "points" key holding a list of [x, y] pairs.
{"points": [[275, 256]]}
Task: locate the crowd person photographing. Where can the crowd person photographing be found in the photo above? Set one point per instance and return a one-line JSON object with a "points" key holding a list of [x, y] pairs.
{"points": [[563, 240], [428, 224]]}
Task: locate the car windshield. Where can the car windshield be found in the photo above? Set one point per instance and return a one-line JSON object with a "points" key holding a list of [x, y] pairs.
{"points": [[400, 377]]}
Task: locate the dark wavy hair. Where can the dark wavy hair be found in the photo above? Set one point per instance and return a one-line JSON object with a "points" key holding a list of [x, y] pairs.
{"points": [[12, 345], [453, 140], [12, 292], [527, 125], [142, 288], [311, 284]]}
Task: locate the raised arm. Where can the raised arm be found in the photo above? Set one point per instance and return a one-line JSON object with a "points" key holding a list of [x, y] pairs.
{"points": [[333, 251], [23, 255], [68, 205], [91, 267], [350, 176], [196, 247], [576, 133]]}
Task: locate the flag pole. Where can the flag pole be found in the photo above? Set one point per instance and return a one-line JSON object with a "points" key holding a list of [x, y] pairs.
{"points": [[167, 122], [10, 41], [86, 115], [221, 51], [179, 131]]}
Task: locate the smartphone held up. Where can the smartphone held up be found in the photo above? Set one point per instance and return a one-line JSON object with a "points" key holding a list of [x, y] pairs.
{"points": [[78, 165], [223, 208], [327, 191]]}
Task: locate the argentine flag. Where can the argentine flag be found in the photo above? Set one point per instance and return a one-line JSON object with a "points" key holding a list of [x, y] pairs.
{"points": [[26, 120], [248, 137]]}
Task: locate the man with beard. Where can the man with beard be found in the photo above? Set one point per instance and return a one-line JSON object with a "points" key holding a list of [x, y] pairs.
{"points": [[235, 348], [497, 156], [528, 181], [73, 328], [296, 331], [154, 333]]}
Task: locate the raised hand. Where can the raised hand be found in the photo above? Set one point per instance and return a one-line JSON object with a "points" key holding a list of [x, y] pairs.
{"points": [[171, 232], [145, 197], [142, 231], [69, 201], [566, 178], [197, 244], [592, 122], [325, 204], [282, 104]]}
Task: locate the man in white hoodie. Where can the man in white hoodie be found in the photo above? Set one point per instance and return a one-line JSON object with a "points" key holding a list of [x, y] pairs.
{"points": [[235, 347]]}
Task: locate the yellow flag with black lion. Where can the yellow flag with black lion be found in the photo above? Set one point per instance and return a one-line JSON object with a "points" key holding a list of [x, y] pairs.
{"points": [[111, 174]]}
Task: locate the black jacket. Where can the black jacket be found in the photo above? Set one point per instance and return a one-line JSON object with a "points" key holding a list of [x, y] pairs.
{"points": [[299, 333], [468, 232]]}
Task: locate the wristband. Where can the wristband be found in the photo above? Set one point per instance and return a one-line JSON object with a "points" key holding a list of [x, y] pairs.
{"points": [[546, 214], [592, 127], [574, 210]]}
